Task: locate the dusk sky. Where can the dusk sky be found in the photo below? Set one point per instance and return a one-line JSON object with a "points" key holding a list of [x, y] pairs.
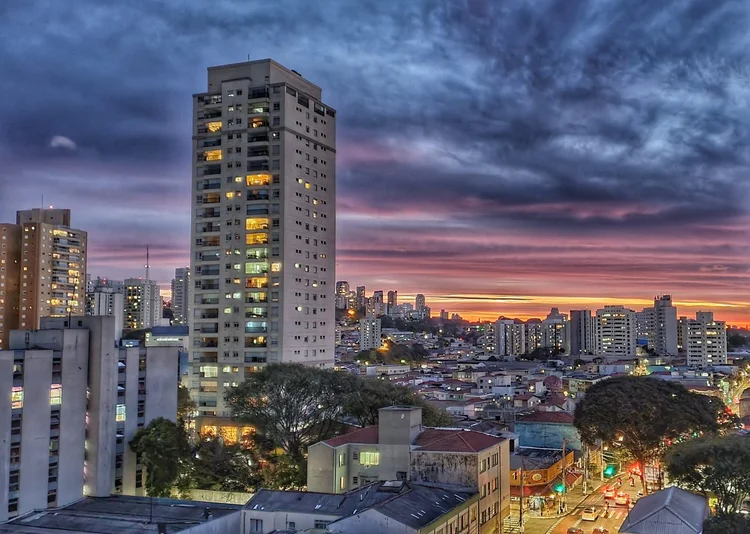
{"points": [[500, 156]]}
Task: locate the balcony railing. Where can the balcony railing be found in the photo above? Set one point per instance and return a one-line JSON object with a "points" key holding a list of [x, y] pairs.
{"points": [[257, 153], [260, 92], [212, 170], [258, 139], [255, 166]]}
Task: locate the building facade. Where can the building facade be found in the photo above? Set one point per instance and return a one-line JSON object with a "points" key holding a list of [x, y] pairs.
{"points": [[615, 332], [661, 326], [705, 340], [143, 304], [582, 332], [263, 240], [107, 301], [181, 296], [556, 331], [369, 333], [10, 280]]}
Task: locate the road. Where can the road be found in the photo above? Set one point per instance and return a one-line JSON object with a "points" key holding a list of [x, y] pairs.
{"points": [[611, 517]]}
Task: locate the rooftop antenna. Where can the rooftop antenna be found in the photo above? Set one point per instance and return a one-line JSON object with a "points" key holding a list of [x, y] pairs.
{"points": [[147, 266]]}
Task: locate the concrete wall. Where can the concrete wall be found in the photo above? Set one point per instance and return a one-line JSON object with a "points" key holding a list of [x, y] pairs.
{"points": [[231, 523], [220, 497], [320, 468], [371, 522], [455, 469], [6, 383], [282, 520], [398, 426], [547, 435]]}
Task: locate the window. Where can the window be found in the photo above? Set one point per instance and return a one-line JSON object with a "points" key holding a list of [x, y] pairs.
{"points": [[369, 458], [291, 525], [16, 397], [120, 413], [319, 523], [256, 526], [55, 394], [342, 483], [342, 460]]}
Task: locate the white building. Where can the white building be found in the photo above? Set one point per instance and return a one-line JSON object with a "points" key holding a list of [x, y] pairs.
{"points": [[143, 305], [107, 301], [556, 331], [705, 341], [661, 326], [263, 240], [615, 332], [369, 333], [57, 447], [510, 337], [181, 295], [582, 332]]}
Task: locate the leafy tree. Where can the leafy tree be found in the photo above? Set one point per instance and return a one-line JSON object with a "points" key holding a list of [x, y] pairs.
{"points": [[644, 415], [713, 465], [726, 524], [219, 466], [186, 406], [736, 341], [293, 405], [164, 449], [279, 472]]}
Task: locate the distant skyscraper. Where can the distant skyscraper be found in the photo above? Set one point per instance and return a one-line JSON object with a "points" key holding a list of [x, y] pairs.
{"points": [[582, 332], [705, 340], [392, 302], [143, 304], [109, 302], [661, 326], [10, 280], [444, 315], [361, 297], [342, 287], [263, 241], [534, 334], [615, 332], [181, 295], [419, 305], [556, 331]]}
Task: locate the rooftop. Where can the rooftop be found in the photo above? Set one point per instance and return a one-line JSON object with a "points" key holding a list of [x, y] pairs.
{"points": [[547, 417], [422, 505], [117, 515], [365, 436], [454, 440], [534, 458], [670, 511]]}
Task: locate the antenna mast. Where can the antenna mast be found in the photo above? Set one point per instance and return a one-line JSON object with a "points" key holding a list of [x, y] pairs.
{"points": [[147, 265]]}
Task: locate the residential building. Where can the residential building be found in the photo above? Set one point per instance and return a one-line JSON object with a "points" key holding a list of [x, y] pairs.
{"points": [[489, 340], [342, 295], [143, 304], [511, 337], [10, 280], [369, 333], [181, 296], [642, 324], [44, 271], [264, 192], [582, 332], [661, 326], [556, 331], [672, 510], [391, 303], [102, 283], [534, 335], [102, 300], [400, 448], [705, 341], [444, 315], [420, 305], [615, 332], [371, 509], [361, 297], [99, 396]]}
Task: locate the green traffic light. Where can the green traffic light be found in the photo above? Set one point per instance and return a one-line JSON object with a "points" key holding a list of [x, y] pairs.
{"points": [[610, 471], [559, 488]]}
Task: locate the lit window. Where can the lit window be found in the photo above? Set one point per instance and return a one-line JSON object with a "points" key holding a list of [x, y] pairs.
{"points": [[213, 126], [55, 394], [369, 458], [256, 223], [258, 179], [230, 194], [16, 397], [238, 179], [213, 155], [276, 267], [120, 413]]}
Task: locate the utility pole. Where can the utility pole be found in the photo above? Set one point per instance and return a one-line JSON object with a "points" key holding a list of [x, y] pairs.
{"points": [[564, 475], [520, 508], [585, 468]]}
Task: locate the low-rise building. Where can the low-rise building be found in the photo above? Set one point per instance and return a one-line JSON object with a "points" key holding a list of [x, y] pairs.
{"points": [[547, 430], [672, 510]]}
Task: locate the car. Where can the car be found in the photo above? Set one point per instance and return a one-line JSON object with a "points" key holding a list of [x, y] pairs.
{"points": [[609, 493], [622, 498], [600, 530], [575, 530], [590, 514]]}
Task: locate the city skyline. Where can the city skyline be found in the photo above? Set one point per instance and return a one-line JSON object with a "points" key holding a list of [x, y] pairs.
{"points": [[606, 169]]}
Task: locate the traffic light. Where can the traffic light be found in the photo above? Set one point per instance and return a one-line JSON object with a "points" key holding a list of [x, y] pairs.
{"points": [[610, 470], [559, 488]]}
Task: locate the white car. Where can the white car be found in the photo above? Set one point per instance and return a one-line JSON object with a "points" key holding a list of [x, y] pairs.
{"points": [[622, 499], [590, 514]]}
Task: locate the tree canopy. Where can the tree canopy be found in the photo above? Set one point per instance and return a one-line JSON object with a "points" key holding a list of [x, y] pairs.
{"points": [[713, 465], [644, 415], [216, 465], [163, 446]]}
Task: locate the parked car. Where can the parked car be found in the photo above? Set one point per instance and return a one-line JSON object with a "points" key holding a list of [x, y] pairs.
{"points": [[609, 492], [622, 498], [575, 530], [600, 530], [590, 514]]}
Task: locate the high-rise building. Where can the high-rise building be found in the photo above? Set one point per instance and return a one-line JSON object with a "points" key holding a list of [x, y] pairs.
{"points": [[369, 333], [342, 288], [10, 280], [705, 340], [392, 302], [76, 402], [582, 332], [361, 297], [342, 295], [510, 337], [143, 304], [661, 326], [534, 335], [107, 301], [444, 314], [104, 283], [420, 305], [53, 266], [181, 296], [642, 325], [263, 241], [615, 332], [556, 331]]}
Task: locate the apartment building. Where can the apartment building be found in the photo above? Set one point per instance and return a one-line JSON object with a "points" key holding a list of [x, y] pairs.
{"points": [[615, 332], [107, 301], [263, 240], [58, 446], [582, 332], [369, 333], [143, 304], [556, 331], [400, 448], [10, 280], [704, 341], [534, 334], [661, 326], [510, 337], [181, 296]]}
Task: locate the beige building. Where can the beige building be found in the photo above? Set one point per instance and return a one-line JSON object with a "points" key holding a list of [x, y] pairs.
{"points": [[263, 240], [400, 448], [44, 271], [143, 304], [76, 402], [615, 332], [704, 340]]}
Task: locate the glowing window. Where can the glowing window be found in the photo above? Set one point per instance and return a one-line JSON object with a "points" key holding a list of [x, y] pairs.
{"points": [[276, 267], [258, 179], [209, 371], [55, 394], [213, 126], [257, 282], [238, 179], [230, 194], [120, 413], [257, 267], [213, 155], [256, 239], [256, 223], [16, 397], [369, 458]]}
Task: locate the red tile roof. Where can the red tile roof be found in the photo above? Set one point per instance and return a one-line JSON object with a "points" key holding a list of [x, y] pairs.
{"points": [[454, 440], [548, 417], [524, 397], [365, 436]]}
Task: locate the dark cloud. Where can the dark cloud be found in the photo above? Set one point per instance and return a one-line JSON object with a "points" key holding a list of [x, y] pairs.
{"points": [[582, 120]]}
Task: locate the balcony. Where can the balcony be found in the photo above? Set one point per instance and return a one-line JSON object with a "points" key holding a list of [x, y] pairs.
{"points": [[209, 255], [209, 155], [255, 180], [211, 142], [256, 314], [209, 313], [258, 92], [253, 196], [211, 170], [207, 270], [256, 223], [208, 213], [208, 227], [255, 166], [207, 328], [208, 241], [249, 358], [210, 198], [209, 114], [206, 343], [256, 239], [207, 284], [209, 100], [258, 139], [255, 342], [257, 282], [260, 267], [256, 298], [256, 254], [257, 153], [206, 299], [260, 108]]}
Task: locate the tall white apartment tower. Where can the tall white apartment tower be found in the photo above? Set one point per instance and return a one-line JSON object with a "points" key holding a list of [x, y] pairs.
{"points": [[704, 340], [181, 295], [263, 238], [615, 332], [661, 321]]}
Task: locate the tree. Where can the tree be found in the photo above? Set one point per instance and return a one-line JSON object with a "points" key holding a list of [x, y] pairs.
{"points": [[219, 466], [186, 406], [293, 405], [644, 415], [164, 448], [713, 465], [726, 524]]}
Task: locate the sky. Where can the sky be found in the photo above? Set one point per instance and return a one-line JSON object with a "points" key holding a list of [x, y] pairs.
{"points": [[499, 156]]}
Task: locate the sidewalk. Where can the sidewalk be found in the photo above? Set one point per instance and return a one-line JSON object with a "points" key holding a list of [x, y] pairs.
{"points": [[574, 499]]}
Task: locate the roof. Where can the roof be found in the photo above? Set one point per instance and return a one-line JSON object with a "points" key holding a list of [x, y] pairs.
{"points": [[178, 330], [365, 436], [117, 514], [547, 417], [422, 505], [670, 511], [524, 397], [530, 458], [454, 440]]}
